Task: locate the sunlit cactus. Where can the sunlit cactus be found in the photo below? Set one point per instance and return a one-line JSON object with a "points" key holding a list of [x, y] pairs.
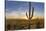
{"points": [[30, 13]]}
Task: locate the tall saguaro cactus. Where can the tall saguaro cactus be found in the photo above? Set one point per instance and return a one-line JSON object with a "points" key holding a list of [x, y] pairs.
{"points": [[30, 15]]}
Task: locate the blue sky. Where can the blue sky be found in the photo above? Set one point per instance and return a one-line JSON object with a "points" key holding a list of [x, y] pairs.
{"points": [[19, 8]]}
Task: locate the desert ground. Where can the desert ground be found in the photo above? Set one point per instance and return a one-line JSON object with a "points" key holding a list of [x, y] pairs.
{"points": [[19, 24]]}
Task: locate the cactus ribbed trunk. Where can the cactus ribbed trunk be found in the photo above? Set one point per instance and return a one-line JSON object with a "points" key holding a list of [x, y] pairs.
{"points": [[29, 9]]}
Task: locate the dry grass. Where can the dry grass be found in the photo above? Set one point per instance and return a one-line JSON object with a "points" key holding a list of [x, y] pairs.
{"points": [[23, 23]]}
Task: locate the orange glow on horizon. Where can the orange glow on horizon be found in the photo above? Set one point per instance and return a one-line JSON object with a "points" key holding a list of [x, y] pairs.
{"points": [[14, 17], [22, 17]]}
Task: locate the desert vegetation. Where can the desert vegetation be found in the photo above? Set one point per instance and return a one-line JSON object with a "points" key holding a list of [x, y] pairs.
{"points": [[24, 24]]}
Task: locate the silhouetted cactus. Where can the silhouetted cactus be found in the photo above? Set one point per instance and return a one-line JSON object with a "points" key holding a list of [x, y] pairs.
{"points": [[30, 15]]}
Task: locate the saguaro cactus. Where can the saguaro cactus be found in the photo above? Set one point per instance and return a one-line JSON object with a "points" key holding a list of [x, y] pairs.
{"points": [[30, 15]]}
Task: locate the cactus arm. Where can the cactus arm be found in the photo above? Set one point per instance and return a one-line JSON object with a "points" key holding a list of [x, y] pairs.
{"points": [[26, 15], [32, 11]]}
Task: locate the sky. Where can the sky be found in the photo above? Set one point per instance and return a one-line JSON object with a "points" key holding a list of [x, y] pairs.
{"points": [[18, 9]]}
